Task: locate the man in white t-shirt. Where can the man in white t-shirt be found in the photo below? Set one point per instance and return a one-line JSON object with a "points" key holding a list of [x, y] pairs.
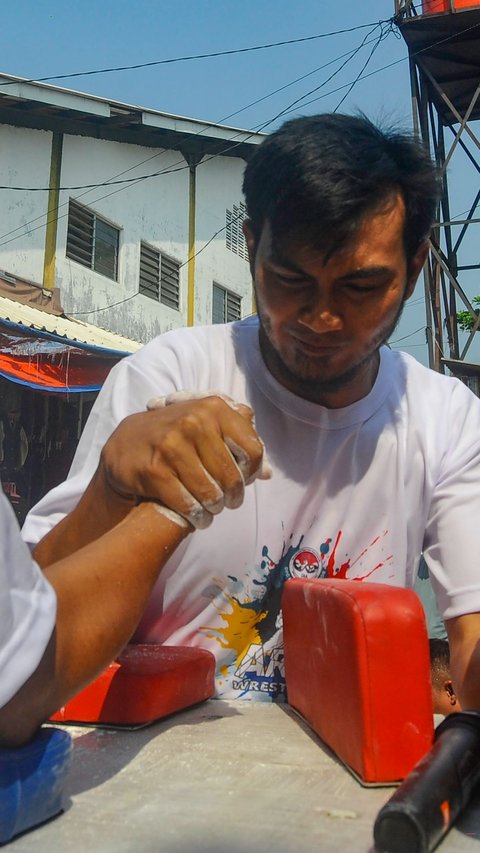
{"points": [[375, 458]]}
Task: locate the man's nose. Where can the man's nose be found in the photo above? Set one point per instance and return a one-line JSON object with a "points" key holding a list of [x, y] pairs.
{"points": [[321, 315]]}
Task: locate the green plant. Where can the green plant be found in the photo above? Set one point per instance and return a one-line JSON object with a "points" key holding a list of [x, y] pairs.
{"points": [[465, 319]]}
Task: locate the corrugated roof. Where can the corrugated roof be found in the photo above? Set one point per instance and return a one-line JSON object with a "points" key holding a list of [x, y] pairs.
{"points": [[65, 327]]}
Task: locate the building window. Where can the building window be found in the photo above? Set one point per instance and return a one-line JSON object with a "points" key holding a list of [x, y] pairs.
{"points": [[159, 276], [234, 237], [91, 241], [226, 306]]}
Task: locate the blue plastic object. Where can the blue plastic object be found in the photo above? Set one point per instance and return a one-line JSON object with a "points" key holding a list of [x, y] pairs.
{"points": [[32, 779]]}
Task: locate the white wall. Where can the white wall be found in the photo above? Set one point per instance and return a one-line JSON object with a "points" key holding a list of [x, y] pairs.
{"points": [[24, 161], [219, 183], [154, 210]]}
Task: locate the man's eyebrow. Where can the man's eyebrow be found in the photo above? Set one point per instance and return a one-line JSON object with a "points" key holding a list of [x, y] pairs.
{"points": [[367, 273], [279, 259]]}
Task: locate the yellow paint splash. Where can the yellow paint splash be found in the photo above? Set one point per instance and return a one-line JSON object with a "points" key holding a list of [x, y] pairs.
{"points": [[240, 629]]}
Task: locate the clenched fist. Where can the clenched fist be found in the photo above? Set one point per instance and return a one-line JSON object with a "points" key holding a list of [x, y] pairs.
{"points": [[193, 454]]}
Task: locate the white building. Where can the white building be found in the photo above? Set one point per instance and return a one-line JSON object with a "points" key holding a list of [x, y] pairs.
{"points": [[155, 243]]}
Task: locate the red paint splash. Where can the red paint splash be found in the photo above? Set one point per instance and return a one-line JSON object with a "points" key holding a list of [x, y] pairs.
{"points": [[341, 573]]}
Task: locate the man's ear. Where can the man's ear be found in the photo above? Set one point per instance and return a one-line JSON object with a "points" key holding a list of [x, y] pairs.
{"points": [[251, 244], [448, 687], [415, 267]]}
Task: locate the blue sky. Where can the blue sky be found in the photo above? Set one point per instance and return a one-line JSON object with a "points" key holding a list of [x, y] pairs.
{"points": [[43, 39]]}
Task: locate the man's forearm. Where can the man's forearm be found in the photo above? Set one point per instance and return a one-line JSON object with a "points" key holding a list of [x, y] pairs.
{"points": [[101, 591], [98, 511]]}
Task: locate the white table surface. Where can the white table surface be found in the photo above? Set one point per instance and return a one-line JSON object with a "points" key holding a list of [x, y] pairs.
{"points": [[238, 777]]}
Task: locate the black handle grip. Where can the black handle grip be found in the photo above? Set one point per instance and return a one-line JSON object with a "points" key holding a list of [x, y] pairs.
{"points": [[424, 806]]}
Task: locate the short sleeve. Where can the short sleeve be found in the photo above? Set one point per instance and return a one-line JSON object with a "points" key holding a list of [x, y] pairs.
{"points": [[27, 607]]}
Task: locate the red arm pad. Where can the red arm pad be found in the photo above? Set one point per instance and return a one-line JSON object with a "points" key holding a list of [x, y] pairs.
{"points": [[357, 669], [145, 683]]}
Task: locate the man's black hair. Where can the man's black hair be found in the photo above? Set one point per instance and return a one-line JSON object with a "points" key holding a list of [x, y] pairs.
{"points": [[439, 660], [315, 178]]}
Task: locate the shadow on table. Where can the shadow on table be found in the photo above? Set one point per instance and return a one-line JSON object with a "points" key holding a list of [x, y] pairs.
{"points": [[294, 715], [106, 751], [221, 847], [469, 821]]}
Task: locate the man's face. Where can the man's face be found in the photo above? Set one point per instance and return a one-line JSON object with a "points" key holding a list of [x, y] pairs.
{"points": [[323, 321]]}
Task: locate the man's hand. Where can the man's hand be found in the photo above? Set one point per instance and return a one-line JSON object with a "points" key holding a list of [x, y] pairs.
{"points": [[193, 454]]}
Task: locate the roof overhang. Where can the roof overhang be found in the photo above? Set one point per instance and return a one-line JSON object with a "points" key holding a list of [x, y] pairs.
{"points": [[25, 103], [461, 368], [445, 46]]}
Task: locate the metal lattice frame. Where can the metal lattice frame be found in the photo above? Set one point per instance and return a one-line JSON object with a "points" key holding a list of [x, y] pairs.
{"points": [[444, 107]]}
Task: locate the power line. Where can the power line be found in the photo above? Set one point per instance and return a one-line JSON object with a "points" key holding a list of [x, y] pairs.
{"points": [[383, 35], [171, 169], [192, 57], [421, 329], [350, 55], [179, 163], [137, 293], [287, 109], [221, 230], [42, 215], [138, 180], [291, 83], [297, 101], [409, 304], [109, 182], [396, 62]]}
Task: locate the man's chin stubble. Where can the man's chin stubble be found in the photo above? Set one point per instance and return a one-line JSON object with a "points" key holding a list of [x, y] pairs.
{"points": [[313, 381], [311, 386]]}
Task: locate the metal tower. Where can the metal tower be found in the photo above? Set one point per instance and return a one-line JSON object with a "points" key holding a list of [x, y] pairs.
{"points": [[443, 39]]}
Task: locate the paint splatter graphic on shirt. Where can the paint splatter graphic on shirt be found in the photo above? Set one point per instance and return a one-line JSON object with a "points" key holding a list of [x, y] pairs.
{"points": [[251, 616]]}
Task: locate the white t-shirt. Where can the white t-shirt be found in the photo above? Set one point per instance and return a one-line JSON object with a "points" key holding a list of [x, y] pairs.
{"points": [[357, 492], [27, 607]]}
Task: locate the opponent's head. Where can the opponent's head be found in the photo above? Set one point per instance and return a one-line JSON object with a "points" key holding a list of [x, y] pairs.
{"points": [[443, 694]]}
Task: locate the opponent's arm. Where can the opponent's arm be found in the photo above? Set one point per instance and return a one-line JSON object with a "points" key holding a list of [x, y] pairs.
{"points": [[193, 456], [102, 591], [464, 639]]}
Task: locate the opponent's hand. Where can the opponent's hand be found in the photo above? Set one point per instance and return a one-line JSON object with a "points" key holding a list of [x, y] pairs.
{"points": [[192, 453]]}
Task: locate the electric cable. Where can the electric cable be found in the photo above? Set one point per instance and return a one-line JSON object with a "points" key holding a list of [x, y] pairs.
{"points": [[260, 127], [350, 56], [264, 125], [421, 329], [192, 57], [395, 62], [133, 182], [409, 303], [297, 101], [109, 182], [291, 83], [359, 76], [163, 151], [220, 230]]}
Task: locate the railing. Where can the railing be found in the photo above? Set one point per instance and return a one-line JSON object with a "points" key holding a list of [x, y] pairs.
{"points": [[406, 9], [414, 8]]}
